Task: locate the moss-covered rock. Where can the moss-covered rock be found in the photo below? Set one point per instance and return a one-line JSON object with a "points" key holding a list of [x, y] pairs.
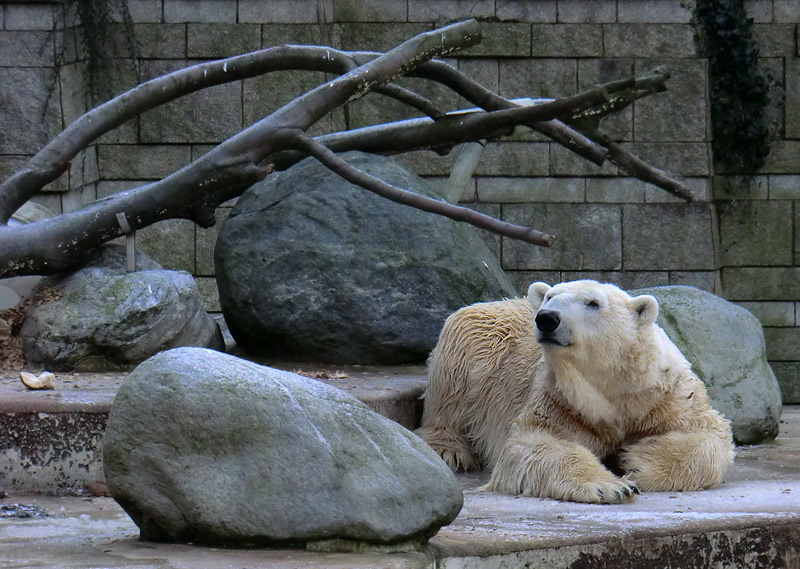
{"points": [[101, 318]]}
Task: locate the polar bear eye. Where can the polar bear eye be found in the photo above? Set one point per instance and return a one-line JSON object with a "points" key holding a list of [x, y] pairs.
{"points": [[592, 304]]}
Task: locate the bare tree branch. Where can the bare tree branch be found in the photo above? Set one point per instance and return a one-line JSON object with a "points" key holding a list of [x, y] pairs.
{"points": [[637, 167], [54, 159], [226, 171], [50, 245], [391, 192]]}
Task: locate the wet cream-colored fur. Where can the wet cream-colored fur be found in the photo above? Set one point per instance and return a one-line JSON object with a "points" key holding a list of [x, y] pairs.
{"points": [[547, 409]]}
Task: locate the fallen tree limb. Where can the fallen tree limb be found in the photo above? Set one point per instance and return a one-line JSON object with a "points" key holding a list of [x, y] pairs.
{"points": [[226, 171]]}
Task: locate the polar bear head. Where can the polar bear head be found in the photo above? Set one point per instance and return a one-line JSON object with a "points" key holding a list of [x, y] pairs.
{"points": [[594, 319]]}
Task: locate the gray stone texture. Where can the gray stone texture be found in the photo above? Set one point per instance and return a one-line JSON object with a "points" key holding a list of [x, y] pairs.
{"points": [[677, 158], [653, 11], [28, 101], [784, 187], [774, 314], [587, 11], [788, 375], [738, 188], [524, 158], [615, 190], [211, 115], [542, 11], [783, 344], [170, 243], [792, 101], [143, 162], [755, 232], [26, 48], [222, 40], [163, 41], [443, 11], [774, 40], [29, 16], [283, 11], [566, 40], [786, 11], [588, 237], [592, 72], [108, 319], [311, 267], [761, 283], [668, 237], [179, 11], [502, 40], [527, 190], [145, 10], [655, 118], [649, 40], [566, 163], [376, 109], [205, 242], [370, 11], [759, 10], [624, 279], [354, 36], [725, 345], [274, 459], [547, 78], [784, 157], [704, 280]]}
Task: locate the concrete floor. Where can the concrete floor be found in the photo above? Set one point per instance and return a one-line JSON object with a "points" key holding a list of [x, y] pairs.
{"points": [[751, 520]]}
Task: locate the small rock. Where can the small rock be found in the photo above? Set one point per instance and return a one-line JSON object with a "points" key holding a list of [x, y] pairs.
{"points": [[207, 448], [44, 380]]}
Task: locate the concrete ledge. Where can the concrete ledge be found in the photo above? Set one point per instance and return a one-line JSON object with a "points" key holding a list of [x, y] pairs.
{"points": [[51, 439], [751, 520]]}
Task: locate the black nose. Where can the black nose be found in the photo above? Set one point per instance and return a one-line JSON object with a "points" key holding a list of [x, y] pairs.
{"points": [[547, 321]]}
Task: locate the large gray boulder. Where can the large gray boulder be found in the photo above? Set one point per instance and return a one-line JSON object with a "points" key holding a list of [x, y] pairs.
{"points": [[208, 448], [311, 267], [725, 344], [101, 318]]}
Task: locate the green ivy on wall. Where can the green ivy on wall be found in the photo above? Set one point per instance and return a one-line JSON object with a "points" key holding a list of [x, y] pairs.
{"points": [[96, 35], [739, 91]]}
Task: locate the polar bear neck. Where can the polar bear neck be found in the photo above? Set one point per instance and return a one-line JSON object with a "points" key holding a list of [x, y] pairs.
{"points": [[602, 393]]}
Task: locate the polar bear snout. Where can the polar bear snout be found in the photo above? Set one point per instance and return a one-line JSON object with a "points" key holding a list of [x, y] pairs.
{"points": [[549, 329], [547, 321]]}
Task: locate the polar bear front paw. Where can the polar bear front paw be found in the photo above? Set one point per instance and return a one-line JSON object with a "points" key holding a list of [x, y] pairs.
{"points": [[606, 492], [453, 449]]}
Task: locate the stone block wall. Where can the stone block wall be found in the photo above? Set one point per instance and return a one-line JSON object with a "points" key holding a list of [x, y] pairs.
{"points": [[742, 242]]}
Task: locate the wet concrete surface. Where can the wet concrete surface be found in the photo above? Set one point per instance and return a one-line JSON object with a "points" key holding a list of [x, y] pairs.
{"points": [[751, 520], [51, 438]]}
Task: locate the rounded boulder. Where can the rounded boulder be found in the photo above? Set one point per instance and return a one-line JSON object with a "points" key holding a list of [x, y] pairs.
{"points": [[311, 267], [204, 447]]}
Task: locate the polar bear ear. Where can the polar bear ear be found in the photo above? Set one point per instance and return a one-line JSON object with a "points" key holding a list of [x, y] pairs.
{"points": [[536, 294], [645, 307]]}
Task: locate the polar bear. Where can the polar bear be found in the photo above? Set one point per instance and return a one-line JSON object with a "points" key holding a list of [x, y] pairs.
{"points": [[573, 393]]}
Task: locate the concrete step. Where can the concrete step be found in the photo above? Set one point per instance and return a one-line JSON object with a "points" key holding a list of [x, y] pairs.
{"points": [[752, 520], [50, 440]]}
